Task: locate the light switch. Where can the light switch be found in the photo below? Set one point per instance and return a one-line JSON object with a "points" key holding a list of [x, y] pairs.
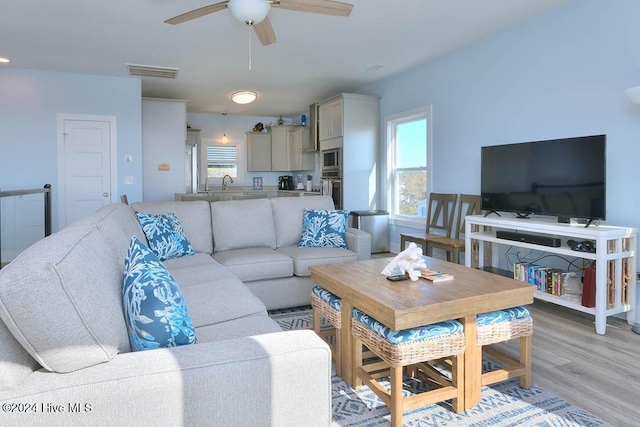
{"points": [[128, 179], [128, 158]]}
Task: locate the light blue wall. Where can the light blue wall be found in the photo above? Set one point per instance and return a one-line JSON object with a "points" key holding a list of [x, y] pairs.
{"points": [[558, 75], [29, 103]]}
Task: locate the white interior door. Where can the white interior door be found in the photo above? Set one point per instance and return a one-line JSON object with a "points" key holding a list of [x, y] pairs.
{"points": [[86, 165]]}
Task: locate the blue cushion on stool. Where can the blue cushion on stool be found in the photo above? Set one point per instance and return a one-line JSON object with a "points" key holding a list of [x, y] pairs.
{"points": [[326, 296], [518, 312], [499, 316], [408, 335]]}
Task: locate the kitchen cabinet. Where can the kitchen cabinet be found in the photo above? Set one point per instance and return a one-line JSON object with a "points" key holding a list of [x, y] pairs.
{"points": [[258, 151], [356, 119], [280, 147], [331, 119], [193, 137], [300, 156]]}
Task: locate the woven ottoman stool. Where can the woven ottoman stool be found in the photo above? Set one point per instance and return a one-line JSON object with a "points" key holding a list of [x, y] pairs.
{"points": [[504, 325], [327, 305], [409, 348]]}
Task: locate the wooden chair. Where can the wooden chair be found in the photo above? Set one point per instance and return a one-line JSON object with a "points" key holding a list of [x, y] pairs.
{"points": [[440, 212], [467, 205], [415, 352]]}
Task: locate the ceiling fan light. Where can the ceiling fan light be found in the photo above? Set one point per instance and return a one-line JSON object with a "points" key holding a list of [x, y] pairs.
{"points": [[250, 12], [244, 97]]}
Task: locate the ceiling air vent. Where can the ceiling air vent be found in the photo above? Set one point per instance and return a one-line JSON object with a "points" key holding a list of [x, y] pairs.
{"points": [[152, 71]]}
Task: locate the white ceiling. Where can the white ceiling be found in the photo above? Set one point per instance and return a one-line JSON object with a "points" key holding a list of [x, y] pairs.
{"points": [[315, 57]]}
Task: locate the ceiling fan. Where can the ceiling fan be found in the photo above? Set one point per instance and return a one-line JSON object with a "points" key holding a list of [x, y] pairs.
{"points": [[254, 13]]}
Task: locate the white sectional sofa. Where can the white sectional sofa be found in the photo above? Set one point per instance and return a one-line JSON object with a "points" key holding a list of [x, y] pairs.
{"points": [[66, 359]]}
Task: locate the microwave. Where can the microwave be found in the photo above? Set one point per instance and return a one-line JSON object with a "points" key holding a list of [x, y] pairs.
{"points": [[332, 160]]}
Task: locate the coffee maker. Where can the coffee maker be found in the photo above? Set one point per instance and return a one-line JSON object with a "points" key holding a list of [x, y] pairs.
{"points": [[285, 182]]}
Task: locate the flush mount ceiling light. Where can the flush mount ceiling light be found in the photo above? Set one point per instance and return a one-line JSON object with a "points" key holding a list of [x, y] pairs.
{"points": [[244, 97], [4, 60], [250, 12], [633, 94]]}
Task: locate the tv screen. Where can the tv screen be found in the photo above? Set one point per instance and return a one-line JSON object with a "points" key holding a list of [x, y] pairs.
{"points": [[560, 177]]}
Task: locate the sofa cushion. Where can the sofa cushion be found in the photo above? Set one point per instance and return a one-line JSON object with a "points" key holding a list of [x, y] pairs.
{"points": [[242, 224], [194, 216], [221, 300], [256, 263], [165, 235], [15, 363], [238, 328], [117, 223], [287, 216], [154, 309], [305, 257], [61, 298], [323, 228], [187, 274]]}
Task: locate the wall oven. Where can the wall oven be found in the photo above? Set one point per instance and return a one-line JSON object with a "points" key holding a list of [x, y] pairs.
{"points": [[332, 186], [331, 160], [332, 175]]}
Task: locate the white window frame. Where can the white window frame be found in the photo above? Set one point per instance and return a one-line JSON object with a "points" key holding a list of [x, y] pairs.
{"points": [[241, 164], [390, 124]]}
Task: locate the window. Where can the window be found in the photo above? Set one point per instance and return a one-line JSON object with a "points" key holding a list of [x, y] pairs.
{"points": [[408, 171], [222, 160]]}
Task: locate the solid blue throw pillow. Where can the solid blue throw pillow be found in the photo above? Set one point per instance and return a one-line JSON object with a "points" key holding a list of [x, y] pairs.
{"points": [[154, 309], [165, 235], [324, 228]]}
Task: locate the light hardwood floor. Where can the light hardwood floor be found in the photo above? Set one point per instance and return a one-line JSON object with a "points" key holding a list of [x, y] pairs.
{"points": [[599, 373]]}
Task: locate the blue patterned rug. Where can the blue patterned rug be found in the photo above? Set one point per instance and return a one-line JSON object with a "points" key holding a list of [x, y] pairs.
{"points": [[503, 404]]}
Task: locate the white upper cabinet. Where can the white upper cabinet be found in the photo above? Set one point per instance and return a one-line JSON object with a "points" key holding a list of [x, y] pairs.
{"points": [[330, 119], [280, 147], [300, 156], [258, 151]]}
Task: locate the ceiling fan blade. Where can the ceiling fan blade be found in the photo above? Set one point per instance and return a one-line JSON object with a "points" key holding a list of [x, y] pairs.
{"points": [[322, 7], [264, 31], [197, 13]]}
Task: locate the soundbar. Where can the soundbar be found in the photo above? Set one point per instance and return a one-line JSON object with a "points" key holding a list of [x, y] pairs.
{"points": [[535, 239]]}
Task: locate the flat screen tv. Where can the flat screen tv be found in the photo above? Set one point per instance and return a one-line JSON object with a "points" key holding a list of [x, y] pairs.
{"points": [[559, 177]]}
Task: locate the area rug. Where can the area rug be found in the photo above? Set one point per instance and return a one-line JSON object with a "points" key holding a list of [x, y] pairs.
{"points": [[503, 404]]}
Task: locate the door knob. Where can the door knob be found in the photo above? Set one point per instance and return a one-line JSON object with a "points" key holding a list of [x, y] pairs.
{"points": [[105, 194]]}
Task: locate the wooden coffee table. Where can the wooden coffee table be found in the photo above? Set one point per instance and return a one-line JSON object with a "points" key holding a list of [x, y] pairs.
{"points": [[407, 304]]}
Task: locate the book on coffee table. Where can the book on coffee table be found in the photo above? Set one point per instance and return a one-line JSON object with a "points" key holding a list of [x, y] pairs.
{"points": [[435, 276]]}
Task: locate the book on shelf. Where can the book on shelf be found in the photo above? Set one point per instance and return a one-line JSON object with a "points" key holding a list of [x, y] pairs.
{"points": [[549, 280], [435, 276]]}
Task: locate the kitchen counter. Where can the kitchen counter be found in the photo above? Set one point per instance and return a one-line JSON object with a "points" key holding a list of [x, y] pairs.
{"points": [[238, 193]]}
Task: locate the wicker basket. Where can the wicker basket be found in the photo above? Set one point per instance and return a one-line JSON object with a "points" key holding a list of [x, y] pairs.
{"points": [[411, 352], [503, 331], [332, 315]]}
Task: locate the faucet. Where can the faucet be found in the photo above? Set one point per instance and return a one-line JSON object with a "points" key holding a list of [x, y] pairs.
{"points": [[224, 182]]}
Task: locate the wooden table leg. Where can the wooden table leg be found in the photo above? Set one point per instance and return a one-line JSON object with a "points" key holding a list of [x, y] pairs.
{"points": [[472, 364], [346, 342]]}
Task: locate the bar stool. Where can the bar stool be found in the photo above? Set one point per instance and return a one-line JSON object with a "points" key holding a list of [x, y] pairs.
{"points": [[409, 348], [327, 305], [500, 326]]}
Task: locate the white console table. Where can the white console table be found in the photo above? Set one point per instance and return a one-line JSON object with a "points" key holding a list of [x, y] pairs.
{"points": [[614, 258]]}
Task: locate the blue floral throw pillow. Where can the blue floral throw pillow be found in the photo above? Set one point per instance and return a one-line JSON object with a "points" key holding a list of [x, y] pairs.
{"points": [[154, 310], [324, 228], [165, 235]]}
